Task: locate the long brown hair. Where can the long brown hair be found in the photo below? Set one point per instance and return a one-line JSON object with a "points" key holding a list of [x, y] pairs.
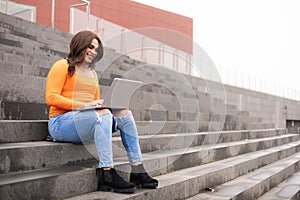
{"points": [[78, 45]]}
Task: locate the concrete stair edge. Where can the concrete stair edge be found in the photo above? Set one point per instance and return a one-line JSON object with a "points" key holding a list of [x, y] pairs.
{"points": [[36, 130], [36, 155], [185, 183], [275, 152], [256, 183], [287, 189]]}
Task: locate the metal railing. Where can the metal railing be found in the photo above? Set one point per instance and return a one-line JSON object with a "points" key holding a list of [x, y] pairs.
{"points": [[72, 7], [162, 55], [180, 61], [18, 10]]}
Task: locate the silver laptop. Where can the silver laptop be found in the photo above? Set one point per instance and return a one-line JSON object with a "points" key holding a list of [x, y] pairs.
{"points": [[118, 95]]}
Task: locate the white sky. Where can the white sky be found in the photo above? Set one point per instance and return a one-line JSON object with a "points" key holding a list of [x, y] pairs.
{"points": [[257, 37]]}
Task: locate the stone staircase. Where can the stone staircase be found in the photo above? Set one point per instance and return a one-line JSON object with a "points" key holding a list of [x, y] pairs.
{"points": [[249, 159], [244, 164]]}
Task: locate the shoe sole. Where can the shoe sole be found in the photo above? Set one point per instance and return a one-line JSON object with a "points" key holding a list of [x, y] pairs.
{"points": [[147, 185], [108, 188]]}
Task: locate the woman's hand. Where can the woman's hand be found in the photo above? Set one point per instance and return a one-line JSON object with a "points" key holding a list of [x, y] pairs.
{"points": [[94, 103]]}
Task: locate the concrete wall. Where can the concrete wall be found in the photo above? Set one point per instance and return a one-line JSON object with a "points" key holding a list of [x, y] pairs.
{"points": [[267, 107], [28, 50]]}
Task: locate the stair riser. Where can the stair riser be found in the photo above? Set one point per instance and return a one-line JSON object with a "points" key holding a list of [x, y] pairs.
{"points": [[287, 189], [12, 131], [264, 186], [28, 130], [55, 154], [182, 141], [178, 190], [21, 159], [75, 183], [194, 185], [196, 158]]}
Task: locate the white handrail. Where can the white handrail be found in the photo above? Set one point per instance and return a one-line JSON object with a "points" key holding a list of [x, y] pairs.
{"points": [[87, 5], [52, 13]]}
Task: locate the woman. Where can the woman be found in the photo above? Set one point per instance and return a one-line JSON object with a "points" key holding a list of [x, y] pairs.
{"points": [[72, 83]]}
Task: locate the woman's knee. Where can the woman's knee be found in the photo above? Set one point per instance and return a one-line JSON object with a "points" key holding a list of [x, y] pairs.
{"points": [[103, 111], [123, 112]]}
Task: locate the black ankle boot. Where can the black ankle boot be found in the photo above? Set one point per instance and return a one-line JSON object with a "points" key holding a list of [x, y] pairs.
{"points": [[109, 180], [140, 177]]}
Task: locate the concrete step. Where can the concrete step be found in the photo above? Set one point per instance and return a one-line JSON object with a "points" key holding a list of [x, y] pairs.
{"points": [[41, 154], [35, 155], [258, 125], [288, 189], [34, 59], [37, 130], [71, 180], [255, 184], [22, 90], [26, 69], [55, 183], [23, 130], [24, 48], [188, 182], [16, 110], [178, 159], [25, 29]]}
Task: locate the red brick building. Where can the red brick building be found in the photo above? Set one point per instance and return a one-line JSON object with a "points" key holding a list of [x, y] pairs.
{"points": [[125, 13]]}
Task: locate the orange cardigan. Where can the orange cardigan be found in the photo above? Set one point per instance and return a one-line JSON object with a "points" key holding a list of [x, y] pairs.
{"points": [[65, 93]]}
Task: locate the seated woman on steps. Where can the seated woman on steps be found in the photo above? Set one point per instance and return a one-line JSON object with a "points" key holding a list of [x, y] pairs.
{"points": [[72, 83]]}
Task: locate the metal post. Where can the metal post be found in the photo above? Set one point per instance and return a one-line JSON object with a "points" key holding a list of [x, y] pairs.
{"points": [[32, 16], [72, 20], [160, 54], [122, 42], [98, 26], [87, 8], [87, 5], [175, 60], [142, 49], [188, 64], [6, 9], [32, 13], [52, 13]]}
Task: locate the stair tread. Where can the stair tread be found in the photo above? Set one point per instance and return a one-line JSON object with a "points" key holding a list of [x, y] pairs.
{"points": [[285, 190], [165, 180], [12, 131], [175, 177], [185, 163], [43, 173], [47, 143], [19, 176], [40, 150], [235, 187]]}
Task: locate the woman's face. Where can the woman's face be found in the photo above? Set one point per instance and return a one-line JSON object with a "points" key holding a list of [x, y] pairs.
{"points": [[91, 52]]}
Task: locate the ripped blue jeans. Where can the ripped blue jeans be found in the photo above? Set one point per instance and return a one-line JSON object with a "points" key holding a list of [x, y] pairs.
{"points": [[78, 126]]}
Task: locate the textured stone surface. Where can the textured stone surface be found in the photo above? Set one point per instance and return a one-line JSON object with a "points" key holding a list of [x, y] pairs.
{"points": [[244, 164], [32, 49], [288, 189], [23, 130], [35, 155], [255, 184], [192, 179], [177, 160]]}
